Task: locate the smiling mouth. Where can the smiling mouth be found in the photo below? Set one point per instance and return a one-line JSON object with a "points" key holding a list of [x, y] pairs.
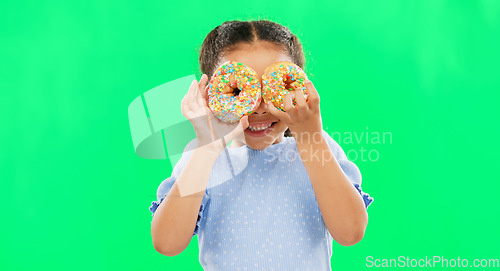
{"points": [[259, 127]]}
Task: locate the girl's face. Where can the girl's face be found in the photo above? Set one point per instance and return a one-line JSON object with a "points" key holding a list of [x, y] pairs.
{"points": [[258, 56]]}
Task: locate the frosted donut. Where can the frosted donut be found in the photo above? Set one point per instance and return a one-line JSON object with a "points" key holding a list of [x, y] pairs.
{"points": [[280, 79], [234, 91]]}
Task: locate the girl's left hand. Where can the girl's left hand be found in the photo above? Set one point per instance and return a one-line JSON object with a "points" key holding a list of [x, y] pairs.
{"points": [[305, 119]]}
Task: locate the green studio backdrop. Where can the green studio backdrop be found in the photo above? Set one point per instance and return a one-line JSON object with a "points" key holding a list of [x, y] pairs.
{"points": [[421, 76]]}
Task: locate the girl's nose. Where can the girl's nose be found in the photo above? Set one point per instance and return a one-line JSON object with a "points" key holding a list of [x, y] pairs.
{"points": [[262, 109]]}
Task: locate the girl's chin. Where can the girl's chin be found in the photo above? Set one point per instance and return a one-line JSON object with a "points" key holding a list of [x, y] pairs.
{"points": [[260, 143], [257, 146]]}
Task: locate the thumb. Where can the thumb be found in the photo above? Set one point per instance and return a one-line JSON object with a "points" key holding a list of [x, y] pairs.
{"points": [[242, 125], [244, 122]]}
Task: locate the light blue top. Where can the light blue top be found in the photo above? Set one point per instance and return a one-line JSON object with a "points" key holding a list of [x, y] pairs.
{"points": [[259, 211]]}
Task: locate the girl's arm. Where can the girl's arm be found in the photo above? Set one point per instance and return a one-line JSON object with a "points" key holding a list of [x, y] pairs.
{"points": [[175, 219], [341, 205]]}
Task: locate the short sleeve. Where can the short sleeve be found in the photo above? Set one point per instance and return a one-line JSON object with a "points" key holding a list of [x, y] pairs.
{"points": [[350, 169], [167, 184]]}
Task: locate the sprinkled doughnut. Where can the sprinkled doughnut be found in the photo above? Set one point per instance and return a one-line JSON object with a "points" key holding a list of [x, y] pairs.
{"points": [[234, 91], [280, 79]]}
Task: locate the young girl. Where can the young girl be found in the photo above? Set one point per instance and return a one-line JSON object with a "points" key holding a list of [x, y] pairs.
{"points": [[291, 189]]}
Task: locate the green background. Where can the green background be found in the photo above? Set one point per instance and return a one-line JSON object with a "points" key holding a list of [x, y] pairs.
{"points": [[75, 196]]}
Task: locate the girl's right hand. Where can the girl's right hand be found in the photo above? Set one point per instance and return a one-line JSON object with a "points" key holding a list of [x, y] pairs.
{"points": [[210, 131]]}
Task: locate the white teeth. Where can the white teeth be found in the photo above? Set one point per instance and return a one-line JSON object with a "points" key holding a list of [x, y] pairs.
{"points": [[259, 128]]}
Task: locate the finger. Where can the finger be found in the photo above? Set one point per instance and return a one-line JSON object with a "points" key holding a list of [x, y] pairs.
{"points": [[206, 86], [199, 98], [191, 102], [191, 91], [186, 112], [313, 96], [185, 102], [205, 92], [244, 125], [301, 100], [244, 122], [196, 93], [287, 102], [239, 129], [278, 113], [210, 119], [201, 89], [202, 85]]}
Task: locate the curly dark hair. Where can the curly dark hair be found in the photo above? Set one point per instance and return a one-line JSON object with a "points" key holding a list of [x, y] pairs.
{"points": [[228, 35]]}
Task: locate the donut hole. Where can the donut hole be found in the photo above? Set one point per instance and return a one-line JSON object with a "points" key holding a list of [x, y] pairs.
{"points": [[289, 86], [288, 83], [236, 91]]}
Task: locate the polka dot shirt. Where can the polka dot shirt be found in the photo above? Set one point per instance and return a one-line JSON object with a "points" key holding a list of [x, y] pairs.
{"points": [[259, 211]]}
